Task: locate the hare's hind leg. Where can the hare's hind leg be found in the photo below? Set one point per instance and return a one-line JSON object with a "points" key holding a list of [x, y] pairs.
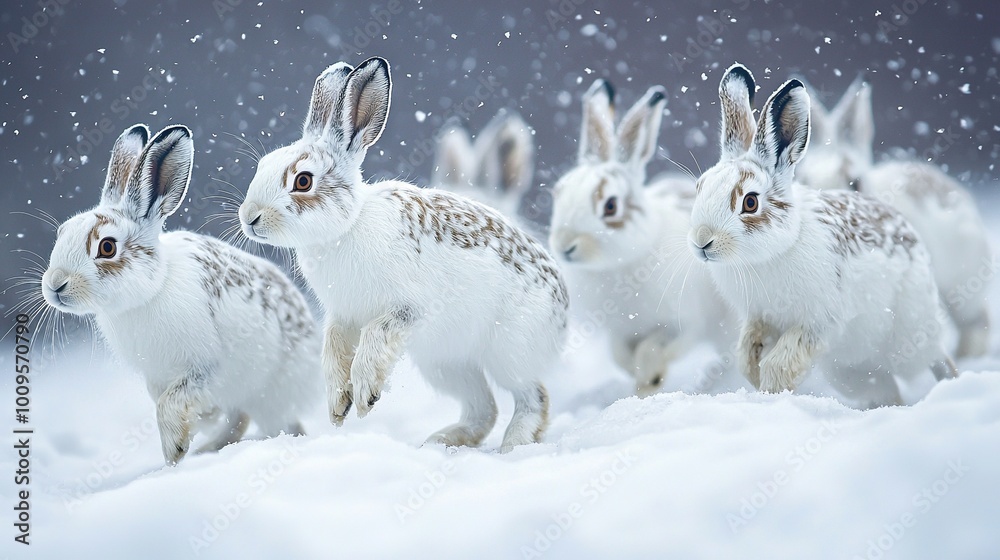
{"points": [[338, 353], [518, 368], [176, 409], [973, 335], [531, 416], [788, 361], [944, 368], [653, 356], [479, 411], [754, 342], [234, 426], [869, 387]]}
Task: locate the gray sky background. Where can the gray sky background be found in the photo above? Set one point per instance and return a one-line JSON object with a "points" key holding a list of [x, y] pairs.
{"points": [[76, 77]]}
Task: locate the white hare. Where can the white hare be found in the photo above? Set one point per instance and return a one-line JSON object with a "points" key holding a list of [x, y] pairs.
{"points": [[831, 277], [624, 244], [397, 267], [495, 170], [938, 207], [213, 330]]}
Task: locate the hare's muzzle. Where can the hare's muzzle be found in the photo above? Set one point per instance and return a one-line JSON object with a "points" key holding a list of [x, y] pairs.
{"points": [[702, 239], [55, 281]]}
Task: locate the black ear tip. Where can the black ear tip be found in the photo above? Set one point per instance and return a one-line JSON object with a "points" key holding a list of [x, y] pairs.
{"points": [[609, 90], [139, 130], [452, 124], [743, 73], [338, 68], [175, 132], [377, 61], [658, 95]]}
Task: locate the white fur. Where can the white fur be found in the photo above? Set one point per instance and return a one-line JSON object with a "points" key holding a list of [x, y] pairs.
{"points": [[635, 276], [865, 316], [495, 169], [942, 211], [201, 355], [387, 263]]}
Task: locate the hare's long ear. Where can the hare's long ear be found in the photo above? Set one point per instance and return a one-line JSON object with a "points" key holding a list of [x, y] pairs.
{"points": [[327, 101], [454, 158], [783, 130], [366, 104], [124, 155], [506, 152], [736, 91], [822, 129], [597, 140], [853, 116], [160, 178], [640, 128]]}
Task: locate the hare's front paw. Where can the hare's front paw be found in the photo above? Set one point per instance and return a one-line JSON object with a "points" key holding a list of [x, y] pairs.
{"points": [[175, 437], [367, 382], [776, 375], [337, 358], [783, 366], [751, 348], [750, 357], [174, 410], [340, 396], [650, 359]]}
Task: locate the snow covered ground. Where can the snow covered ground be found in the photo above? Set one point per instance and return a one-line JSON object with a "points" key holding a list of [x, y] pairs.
{"points": [[736, 474]]}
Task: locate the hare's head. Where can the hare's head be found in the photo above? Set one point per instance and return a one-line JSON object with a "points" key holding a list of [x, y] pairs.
{"points": [[840, 150], [311, 190], [600, 218], [108, 258], [498, 165], [745, 208]]}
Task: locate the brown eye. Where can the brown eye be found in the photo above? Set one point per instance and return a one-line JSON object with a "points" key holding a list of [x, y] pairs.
{"points": [[750, 203], [610, 206], [303, 182], [107, 248]]}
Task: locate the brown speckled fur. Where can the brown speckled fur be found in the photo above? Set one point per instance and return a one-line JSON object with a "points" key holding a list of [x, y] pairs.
{"points": [[447, 218], [859, 224]]}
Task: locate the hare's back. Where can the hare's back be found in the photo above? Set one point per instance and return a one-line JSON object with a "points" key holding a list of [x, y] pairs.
{"points": [[240, 291], [467, 231]]}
